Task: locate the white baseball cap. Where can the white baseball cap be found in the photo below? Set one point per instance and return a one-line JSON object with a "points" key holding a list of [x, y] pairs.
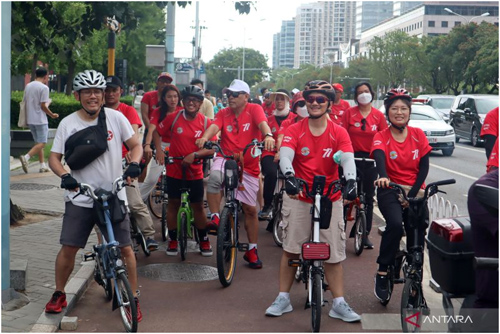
{"points": [[237, 86], [295, 91]]}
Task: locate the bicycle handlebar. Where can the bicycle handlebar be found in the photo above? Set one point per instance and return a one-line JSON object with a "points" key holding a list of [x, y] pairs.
{"points": [[432, 186], [86, 189], [196, 162], [254, 143], [335, 185]]}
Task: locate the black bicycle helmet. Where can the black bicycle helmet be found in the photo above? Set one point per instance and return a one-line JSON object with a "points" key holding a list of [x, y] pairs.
{"points": [[193, 91], [319, 86], [89, 79], [393, 95]]}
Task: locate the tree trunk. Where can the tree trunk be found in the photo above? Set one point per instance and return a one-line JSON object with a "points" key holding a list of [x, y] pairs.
{"points": [[16, 213], [71, 74], [33, 66]]}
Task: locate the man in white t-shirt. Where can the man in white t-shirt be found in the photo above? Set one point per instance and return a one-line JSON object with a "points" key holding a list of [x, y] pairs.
{"points": [[79, 215], [36, 96]]}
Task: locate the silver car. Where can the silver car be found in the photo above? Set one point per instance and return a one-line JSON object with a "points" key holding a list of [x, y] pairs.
{"points": [[442, 103]]}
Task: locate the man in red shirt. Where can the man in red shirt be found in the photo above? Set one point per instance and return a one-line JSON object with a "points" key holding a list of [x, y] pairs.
{"points": [[339, 106], [186, 126], [308, 149], [267, 104], [239, 124], [138, 209], [150, 99], [489, 130]]}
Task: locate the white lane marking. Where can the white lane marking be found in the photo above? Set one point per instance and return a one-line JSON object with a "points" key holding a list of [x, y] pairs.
{"points": [[470, 149], [454, 172]]}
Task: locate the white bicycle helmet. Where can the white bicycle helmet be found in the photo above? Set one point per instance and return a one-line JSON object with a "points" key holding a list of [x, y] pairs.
{"points": [[89, 79]]}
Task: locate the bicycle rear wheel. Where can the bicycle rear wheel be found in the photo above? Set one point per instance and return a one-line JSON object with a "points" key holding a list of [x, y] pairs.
{"points": [[183, 236], [316, 302], [163, 222], [128, 308], [411, 306], [359, 232], [100, 278], [226, 247], [277, 225], [155, 202]]}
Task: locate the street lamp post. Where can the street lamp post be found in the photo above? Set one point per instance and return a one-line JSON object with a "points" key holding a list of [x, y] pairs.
{"points": [[466, 19]]}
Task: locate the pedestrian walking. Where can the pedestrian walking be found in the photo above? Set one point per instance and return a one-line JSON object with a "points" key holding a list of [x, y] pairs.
{"points": [[36, 95]]}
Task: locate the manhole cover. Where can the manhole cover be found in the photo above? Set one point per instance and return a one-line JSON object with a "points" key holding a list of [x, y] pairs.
{"points": [[31, 186], [178, 272]]}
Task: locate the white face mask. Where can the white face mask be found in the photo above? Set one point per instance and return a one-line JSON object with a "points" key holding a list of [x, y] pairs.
{"points": [[302, 112], [364, 98]]}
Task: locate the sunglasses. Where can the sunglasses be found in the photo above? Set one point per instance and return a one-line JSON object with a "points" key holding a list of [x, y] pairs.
{"points": [[192, 100], [363, 124], [234, 94], [301, 103], [318, 99]]}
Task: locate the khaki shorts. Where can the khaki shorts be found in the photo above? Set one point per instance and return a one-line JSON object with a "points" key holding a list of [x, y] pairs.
{"points": [[297, 228]]}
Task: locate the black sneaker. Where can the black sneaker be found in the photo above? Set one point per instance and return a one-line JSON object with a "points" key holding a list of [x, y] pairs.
{"points": [[265, 213], [151, 244], [382, 287], [367, 243]]}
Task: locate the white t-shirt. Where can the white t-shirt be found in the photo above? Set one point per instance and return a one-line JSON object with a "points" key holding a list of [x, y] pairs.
{"points": [[101, 172], [34, 94]]}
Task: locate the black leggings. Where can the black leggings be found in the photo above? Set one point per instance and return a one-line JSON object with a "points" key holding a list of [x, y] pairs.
{"points": [[270, 172], [394, 214]]}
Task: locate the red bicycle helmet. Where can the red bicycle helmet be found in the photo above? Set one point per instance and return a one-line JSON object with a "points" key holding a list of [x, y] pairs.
{"points": [[394, 94]]}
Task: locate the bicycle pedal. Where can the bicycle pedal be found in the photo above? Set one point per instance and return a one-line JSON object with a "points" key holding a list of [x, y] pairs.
{"points": [[294, 263], [89, 256], [242, 247]]}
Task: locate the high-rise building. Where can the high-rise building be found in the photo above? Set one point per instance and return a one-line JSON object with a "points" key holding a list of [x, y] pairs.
{"points": [[401, 7], [287, 44], [339, 28], [276, 50], [370, 13], [308, 28]]}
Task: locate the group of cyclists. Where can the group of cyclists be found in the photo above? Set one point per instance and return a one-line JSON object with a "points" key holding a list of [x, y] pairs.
{"points": [[301, 136]]}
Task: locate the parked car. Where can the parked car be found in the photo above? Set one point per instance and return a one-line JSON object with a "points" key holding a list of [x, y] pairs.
{"points": [[442, 103], [467, 115], [440, 135]]}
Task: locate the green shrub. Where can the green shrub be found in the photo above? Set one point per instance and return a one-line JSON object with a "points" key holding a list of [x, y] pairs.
{"points": [[61, 104]]}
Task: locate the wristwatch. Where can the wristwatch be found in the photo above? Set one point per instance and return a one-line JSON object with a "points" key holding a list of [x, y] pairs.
{"points": [[269, 134]]}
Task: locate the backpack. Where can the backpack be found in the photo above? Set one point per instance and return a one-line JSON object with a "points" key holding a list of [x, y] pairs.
{"points": [[86, 145]]}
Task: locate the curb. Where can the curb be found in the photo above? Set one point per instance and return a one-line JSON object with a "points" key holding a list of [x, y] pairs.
{"points": [[76, 287]]}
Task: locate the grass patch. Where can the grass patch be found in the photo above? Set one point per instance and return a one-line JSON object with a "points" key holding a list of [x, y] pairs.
{"points": [[46, 153]]}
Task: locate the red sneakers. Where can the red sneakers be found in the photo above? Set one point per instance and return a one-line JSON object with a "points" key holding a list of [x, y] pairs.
{"points": [[172, 248], [56, 303], [213, 225], [205, 248], [252, 258]]}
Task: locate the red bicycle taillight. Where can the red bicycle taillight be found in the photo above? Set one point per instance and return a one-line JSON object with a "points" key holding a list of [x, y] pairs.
{"points": [[316, 251]]}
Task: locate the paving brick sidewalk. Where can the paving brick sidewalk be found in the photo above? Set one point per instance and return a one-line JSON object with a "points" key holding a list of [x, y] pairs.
{"points": [[38, 243]]}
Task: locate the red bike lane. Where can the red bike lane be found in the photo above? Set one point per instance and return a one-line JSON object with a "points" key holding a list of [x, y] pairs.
{"points": [[205, 306]]}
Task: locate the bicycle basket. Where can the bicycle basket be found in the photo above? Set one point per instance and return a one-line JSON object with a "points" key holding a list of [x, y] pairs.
{"points": [[231, 174], [315, 251]]}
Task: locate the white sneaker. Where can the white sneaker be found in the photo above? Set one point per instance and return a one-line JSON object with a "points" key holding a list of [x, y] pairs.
{"points": [[279, 306], [44, 170], [343, 312], [24, 163]]}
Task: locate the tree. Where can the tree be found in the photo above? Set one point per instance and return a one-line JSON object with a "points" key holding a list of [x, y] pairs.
{"points": [[223, 68]]}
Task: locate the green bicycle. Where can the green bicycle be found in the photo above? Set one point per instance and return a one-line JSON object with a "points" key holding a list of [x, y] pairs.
{"points": [[185, 216]]}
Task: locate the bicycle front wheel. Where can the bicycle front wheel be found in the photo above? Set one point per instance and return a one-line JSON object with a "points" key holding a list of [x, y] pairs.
{"points": [[183, 235], [359, 232], [100, 278], [278, 225], [226, 247], [127, 306], [411, 306], [316, 302]]}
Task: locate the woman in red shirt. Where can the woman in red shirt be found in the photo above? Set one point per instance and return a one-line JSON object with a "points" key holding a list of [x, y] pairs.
{"points": [[362, 122], [402, 156]]}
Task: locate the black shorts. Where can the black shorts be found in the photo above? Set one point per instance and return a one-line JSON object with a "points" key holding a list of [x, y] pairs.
{"points": [[78, 223], [196, 189]]}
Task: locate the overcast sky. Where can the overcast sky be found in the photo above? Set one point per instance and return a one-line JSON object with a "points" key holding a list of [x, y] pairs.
{"points": [[221, 32]]}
